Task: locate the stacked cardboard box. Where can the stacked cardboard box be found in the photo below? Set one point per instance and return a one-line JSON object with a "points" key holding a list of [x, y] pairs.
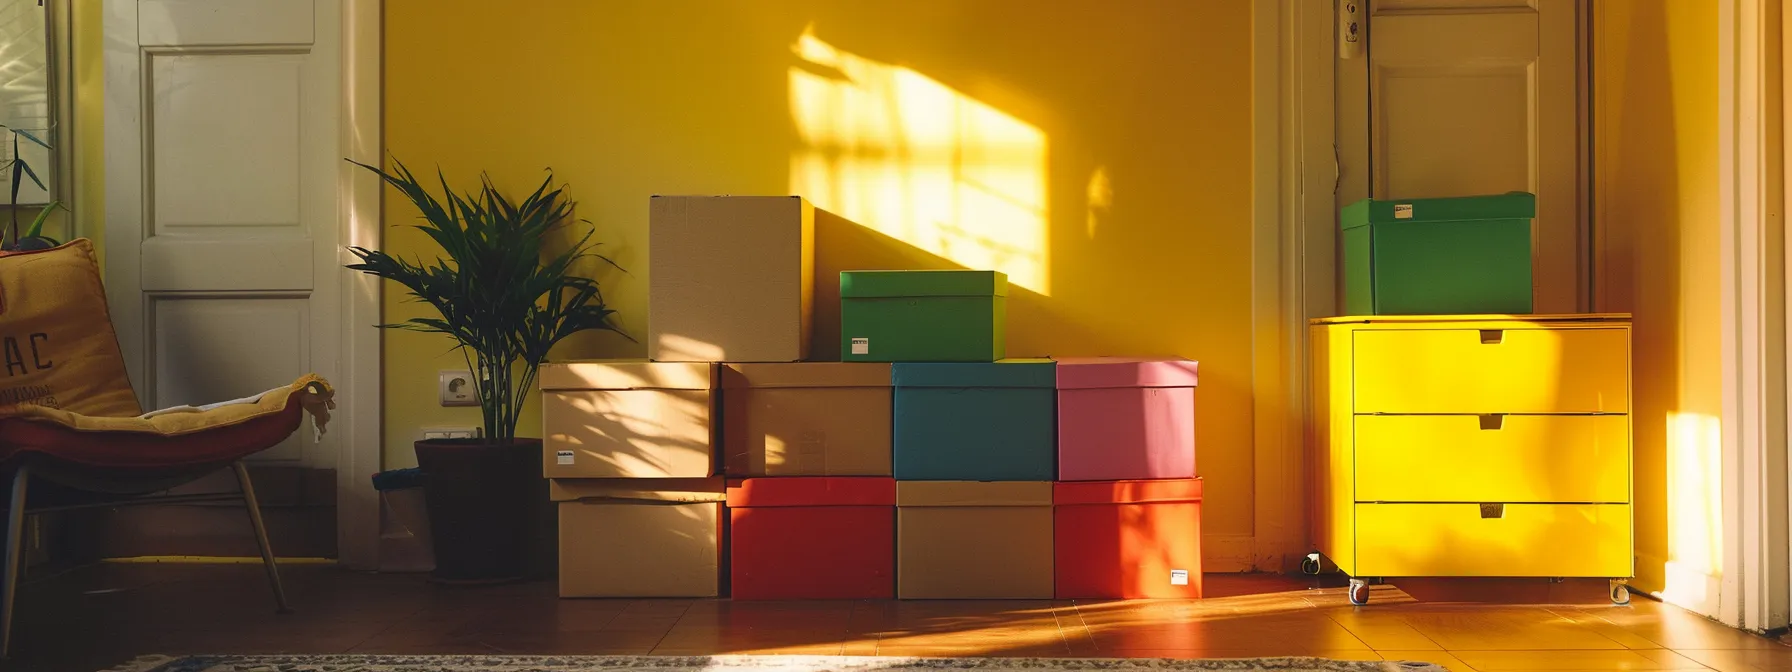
{"points": [[925, 465], [630, 456]]}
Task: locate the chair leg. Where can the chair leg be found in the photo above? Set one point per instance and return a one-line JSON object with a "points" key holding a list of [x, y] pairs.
{"points": [[261, 535], [15, 535]]}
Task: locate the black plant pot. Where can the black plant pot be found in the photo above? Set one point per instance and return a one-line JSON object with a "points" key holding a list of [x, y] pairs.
{"points": [[481, 499]]}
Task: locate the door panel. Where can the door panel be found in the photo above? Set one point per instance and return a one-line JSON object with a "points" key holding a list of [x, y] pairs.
{"points": [[1468, 98], [227, 166], [269, 341], [222, 132]]}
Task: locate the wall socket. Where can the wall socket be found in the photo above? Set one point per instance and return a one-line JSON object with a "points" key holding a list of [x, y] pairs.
{"points": [[457, 388]]}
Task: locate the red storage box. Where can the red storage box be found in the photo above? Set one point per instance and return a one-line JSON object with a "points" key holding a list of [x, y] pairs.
{"points": [[830, 537], [1127, 539]]}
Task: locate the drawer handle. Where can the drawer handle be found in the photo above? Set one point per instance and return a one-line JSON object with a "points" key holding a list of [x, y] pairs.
{"points": [[1493, 511], [1493, 420], [1492, 336]]}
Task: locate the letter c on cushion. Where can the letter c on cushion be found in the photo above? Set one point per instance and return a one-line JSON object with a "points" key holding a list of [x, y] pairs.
{"points": [[57, 346]]}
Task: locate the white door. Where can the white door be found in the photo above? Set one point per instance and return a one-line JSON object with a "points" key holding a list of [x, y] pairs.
{"points": [[1468, 97], [221, 249]]}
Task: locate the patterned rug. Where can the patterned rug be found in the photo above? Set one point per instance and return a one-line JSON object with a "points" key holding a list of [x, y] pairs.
{"points": [[374, 663]]}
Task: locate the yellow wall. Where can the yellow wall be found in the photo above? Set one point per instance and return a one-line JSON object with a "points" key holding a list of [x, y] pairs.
{"points": [[1094, 151], [1655, 216]]}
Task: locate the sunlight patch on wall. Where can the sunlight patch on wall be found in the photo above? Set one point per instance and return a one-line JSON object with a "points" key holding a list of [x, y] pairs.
{"points": [[909, 157], [1695, 494]]}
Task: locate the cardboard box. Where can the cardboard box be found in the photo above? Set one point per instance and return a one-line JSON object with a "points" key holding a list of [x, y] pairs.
{"points": [[1127, 539], [628, 419], [806, 419], [923, 316], [640, 537], [730, 278], [975, 421], [970, 540], [1125, 418], [812, 538]]}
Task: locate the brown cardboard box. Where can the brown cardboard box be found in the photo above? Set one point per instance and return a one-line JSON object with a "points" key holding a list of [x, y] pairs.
{"points": [[640, 537], [628, 419], [806, 419], [730, 278], [974, 540]]}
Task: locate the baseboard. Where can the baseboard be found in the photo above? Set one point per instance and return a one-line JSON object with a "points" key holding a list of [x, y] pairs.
{"points": [[1677, 584], [1228, 553], [299, 505]]}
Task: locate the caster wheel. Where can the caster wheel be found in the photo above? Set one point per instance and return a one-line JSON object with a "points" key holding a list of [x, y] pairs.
{"points": [[1310, 565], [1620, 594], [1359, 592]]}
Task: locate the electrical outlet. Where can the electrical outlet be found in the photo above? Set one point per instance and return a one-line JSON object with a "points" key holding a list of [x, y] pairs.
{"points": [[448, 433], [457, 388]]}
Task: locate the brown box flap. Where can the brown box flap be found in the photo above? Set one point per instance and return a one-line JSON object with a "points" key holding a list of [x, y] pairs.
{"points": [[685, 490], [806, 374], [973, 493], [627, 374]]}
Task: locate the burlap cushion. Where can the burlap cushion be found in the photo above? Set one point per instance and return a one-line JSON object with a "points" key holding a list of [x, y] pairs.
{"points": [[57, 346]]}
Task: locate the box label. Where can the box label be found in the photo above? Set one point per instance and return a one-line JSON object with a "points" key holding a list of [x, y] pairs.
{"points": [[861, 346], [563, 457], [1178, 577], [1402, 211]]}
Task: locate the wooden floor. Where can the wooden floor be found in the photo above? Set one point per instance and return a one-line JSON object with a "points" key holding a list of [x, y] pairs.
{"points": [[96, 617]]}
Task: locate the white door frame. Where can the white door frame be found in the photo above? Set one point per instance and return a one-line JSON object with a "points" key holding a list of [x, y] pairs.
{"points": [[360, 199], [1293, 262], [1754, 590], [358, 383]]}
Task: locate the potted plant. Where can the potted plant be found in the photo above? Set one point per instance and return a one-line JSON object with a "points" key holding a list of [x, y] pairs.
{"points": [[32, 238], [505, 299]]}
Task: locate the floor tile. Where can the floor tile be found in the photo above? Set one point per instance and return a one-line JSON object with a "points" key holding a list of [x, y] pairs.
{"points": [[1524, 661], [1743, 660], [1449, 662], [1671, 627], [1504, 628]]}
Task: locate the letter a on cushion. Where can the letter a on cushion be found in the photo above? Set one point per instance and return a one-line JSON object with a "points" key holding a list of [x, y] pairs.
{"points": [[57, 346]]}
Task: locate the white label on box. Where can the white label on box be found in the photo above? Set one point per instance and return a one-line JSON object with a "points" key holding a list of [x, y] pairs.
{"points": [[563, 457], [1403, 211], [861, 346], [1178, 577]]}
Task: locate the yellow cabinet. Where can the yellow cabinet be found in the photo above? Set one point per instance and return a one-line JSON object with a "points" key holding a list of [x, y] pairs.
{"points": [[1472, 446]]}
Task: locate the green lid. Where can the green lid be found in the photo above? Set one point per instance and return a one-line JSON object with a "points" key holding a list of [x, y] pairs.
{"points": [[887, 284], [1512, 205]]}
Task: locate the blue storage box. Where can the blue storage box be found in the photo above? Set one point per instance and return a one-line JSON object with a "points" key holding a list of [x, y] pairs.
{"points": [[981, 421]]}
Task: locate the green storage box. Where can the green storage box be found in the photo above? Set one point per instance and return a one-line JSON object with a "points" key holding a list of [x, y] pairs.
{"points": [[1439, 256], [922, 316]]}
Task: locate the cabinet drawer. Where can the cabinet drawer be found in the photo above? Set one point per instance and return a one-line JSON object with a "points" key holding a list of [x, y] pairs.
{"points": [[1513, 458], [1502, 371], [1552, 540]]}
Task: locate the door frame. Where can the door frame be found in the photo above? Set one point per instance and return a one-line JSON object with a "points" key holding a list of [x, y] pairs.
{"points": [[1755, 591], [360, 199], [1293, 262], [358, 378]]}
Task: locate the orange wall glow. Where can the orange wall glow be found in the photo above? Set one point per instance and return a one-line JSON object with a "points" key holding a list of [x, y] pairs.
{"points": [[1656, 244], [1092, 151]]}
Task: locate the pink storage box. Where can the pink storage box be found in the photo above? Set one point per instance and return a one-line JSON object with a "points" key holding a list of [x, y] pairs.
{"points": [[1124, 418]]}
